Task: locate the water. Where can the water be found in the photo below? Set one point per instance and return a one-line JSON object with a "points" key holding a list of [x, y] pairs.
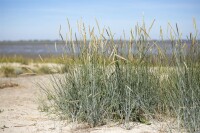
{"points": [[30, 48], [46, 48]]}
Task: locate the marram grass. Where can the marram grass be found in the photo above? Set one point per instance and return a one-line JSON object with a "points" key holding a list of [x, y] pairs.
{"points": [[126, 81]]}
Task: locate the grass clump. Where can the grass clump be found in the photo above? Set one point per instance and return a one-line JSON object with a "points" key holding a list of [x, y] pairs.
{"points": [[8, 71], [44, 70], [125, 81]]}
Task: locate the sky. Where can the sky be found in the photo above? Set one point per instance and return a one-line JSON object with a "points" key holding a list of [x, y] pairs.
{"points": [[40, 19]]}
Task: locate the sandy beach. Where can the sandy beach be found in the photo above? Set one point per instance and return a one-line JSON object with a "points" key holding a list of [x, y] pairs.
{"points": [[20, 114]]}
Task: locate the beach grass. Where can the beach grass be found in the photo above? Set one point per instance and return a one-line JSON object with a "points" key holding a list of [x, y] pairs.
{"points": [[127, 81], [28, 60]]}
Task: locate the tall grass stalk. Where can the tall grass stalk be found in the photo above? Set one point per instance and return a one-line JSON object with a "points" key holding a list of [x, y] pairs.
{"points": [[121, 80]]}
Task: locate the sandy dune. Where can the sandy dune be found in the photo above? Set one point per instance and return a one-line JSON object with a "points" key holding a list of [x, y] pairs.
{"points": [[19, 113]]}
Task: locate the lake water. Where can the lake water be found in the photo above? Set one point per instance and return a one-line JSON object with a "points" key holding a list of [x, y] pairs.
{"points": [[46, 48], [30, 49]]}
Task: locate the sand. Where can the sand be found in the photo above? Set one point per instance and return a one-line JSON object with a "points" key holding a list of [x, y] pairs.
{"points": [[19, 113]]}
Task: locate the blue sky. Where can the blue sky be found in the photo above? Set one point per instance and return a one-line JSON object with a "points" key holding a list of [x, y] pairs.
{"points": [[40, 19]]}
